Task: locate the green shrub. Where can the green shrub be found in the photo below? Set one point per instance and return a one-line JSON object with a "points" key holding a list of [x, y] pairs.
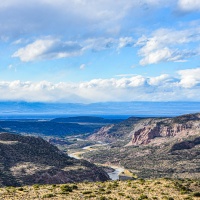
{"points": [[101, 189], [87, 192], [121, 194], [48, 195], [36, 186], [74, 187], [143, 196], [21, 189], [92, 195], [66, 188], [102, 198], [196, 194]]}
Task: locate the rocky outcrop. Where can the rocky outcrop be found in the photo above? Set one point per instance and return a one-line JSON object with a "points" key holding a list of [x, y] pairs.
{"points": [[142, 131], [102, 135], [179, 127], [26, 160]]}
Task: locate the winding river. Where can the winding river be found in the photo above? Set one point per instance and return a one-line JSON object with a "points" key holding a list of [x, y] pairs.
{"points": [[113, 175]]}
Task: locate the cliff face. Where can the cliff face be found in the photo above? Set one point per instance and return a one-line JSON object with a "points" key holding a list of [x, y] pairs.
{"points": [[140, 131], [180, 127], [28, 160], [102, 134]]}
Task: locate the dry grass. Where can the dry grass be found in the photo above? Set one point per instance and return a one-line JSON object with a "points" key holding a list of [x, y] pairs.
{"points": [[161, 189]]}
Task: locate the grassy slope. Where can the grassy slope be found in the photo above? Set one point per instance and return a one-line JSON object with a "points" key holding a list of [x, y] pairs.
{"points": [[161, 189]]}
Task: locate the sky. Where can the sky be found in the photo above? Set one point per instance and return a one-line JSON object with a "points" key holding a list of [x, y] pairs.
{"points": [[85, 51]]}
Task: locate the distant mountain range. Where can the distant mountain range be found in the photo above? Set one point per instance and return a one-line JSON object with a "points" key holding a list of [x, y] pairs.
{"points": [[52, 110]]}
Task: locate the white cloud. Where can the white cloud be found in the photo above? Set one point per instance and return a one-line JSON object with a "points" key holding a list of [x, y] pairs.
{"points": [[156, 56], [125, 41], [134, 81], [48, 49], [134, 88], [159, 79], [82, 66], [189, 5], [168, 45], [189, 77]]}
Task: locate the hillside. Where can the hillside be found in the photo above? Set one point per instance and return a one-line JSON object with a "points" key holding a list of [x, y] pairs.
{"points": [[113, 132], [28, 160], [158, 189]]}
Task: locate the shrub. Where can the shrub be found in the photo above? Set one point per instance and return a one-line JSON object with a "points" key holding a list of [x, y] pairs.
{"points": [[121, 194], [92, 195], [74, 187], [48, 195], [143, 196], [196, 194], [36, 186], [102, 198], [66, 188], [87, 192], [21, 189], [101, 189]]}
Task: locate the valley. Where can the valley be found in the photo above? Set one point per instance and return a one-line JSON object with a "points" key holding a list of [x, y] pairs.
{"points": [[140, 152], [146, 147], [114, 172]]}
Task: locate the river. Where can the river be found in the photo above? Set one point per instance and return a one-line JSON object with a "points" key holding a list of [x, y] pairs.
{"points": [[113, 175]]}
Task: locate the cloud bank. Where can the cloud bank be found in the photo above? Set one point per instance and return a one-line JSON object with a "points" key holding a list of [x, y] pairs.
{"points": [[135, 88]]}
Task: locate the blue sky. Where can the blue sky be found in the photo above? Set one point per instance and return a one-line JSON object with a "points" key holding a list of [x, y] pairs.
{"points": [[96, 51]]}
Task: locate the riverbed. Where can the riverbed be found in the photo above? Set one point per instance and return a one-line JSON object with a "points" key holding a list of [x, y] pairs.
{"points": [[113, 175]]}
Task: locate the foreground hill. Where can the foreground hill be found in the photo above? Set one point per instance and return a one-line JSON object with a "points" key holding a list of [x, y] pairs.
{"points": [[28, 160], [152, 147], [160, 189]]}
